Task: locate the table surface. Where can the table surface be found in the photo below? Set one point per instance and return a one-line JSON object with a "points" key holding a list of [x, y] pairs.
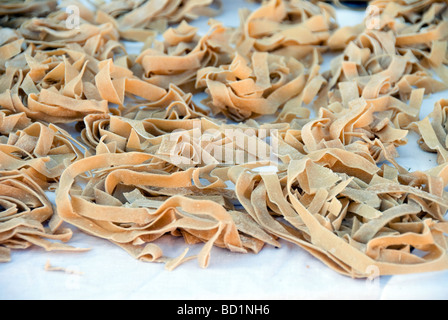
{"points": [[108, 272]]}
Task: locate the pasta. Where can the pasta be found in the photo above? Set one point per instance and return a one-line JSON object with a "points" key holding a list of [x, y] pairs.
{"points": [[178, 59], [134, 17], [25, 210], [433, 133], [145, 212], [291, 28], [262, 86], [350, 215], [43, 152], [312, 154]]}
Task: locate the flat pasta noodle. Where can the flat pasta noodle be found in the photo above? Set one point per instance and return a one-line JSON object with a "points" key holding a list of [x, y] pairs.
{"points": [[30, 8], [350, 225], [406, 44], [53, 31], [136, 128], [25, 211], [374, 68], [263, 85], [139, 221], [175, 104], [136, 20], [373, 128], [209, 146], [42, 152], [183, 53], [50, 88], [14, 13], [149, 161], [114, 83], [290, 28], [11, 122]]}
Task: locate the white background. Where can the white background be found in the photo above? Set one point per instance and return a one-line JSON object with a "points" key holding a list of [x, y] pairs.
{"points": [[108, 272]]}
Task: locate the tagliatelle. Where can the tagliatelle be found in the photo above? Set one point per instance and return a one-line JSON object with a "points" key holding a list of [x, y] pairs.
{"points": [[178, 59], [434, 132], [151, 162], [24, 210], [397, 49], [144, 214], [11, 122], [54, 31], [49, 88], [40, 151], [137, 128], [350, 225], [290, 28], [373, 67], [373, 128], [183, 144], [174, 105], [260, 86], [32, 158], [134, 18], [115, 82], [13, 13]]}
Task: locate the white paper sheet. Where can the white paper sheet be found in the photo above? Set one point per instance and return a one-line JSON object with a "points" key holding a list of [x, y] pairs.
{"points": [[108, 272]]}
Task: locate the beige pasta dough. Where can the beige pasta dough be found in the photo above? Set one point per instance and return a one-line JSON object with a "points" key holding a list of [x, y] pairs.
{"points": [[137, 19], [280, 149], [25, 210], [133, 215], [434, 133], [347, 223]]}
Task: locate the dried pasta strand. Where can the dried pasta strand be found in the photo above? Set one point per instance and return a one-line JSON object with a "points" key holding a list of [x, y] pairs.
{"points": [[433, 132], [25, 209], [152, 162], [183, 53], [318, 230], [136, 20], [125, 225]]}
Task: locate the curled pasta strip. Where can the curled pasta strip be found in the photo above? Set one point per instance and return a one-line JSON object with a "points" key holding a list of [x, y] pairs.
{"points": [[39, 151], [45, 104], [130, 202], [262, 85], [182, 144], [24, 214], [54, 32], [29, 8], [114, 83], [371, 67], [291, 28], [11, 122], [351, 218], [11, 44], [135, 20], [157, 163], [183, 53], [402, 46], [49, 86], [433, 131], [420, 22], [14, 13], [174, 105], [136, 128], [374, 128]]}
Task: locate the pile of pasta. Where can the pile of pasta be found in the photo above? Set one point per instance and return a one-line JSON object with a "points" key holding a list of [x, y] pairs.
{"points": [[280, 149]]}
